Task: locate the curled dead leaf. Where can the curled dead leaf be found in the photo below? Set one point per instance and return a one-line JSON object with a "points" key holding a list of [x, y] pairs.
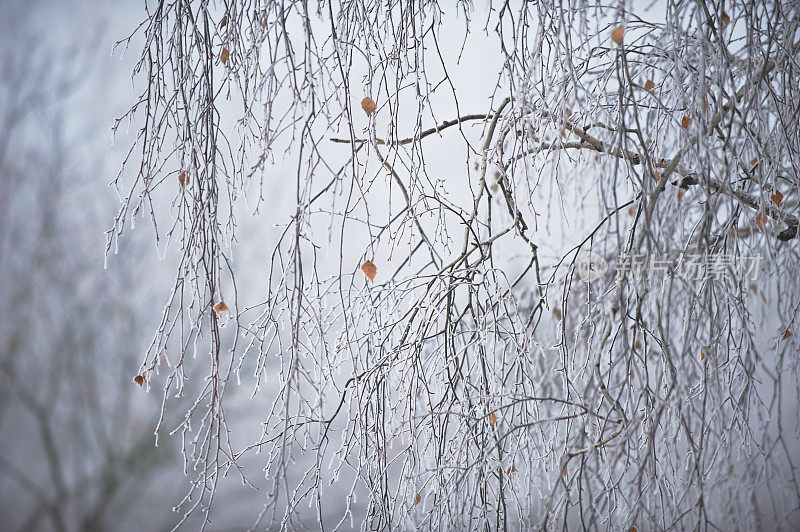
{"points": [[618, 34], [369, 270], [777, 198], [139, 379], [657, 175], [649, 85], [182, 179], [224, 55], [223, 22], [686, 121], [492, 419], [220, 307], [725, 19], [786, 334], [368, 105], [417, 498], [510, 469], [760, 220]]}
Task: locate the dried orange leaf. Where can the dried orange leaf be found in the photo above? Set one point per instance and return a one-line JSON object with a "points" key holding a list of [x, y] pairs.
{"points": [[725, 19], [649, 85], [223, 22], [686, 121], [511, 469], [617, 34], [182, 179], [786, 334], [705, 352], [760, 220], [657, 175], [224, 55], [220, 307], [564, 471], [777, 198], [368, 105], [493, 419], [417, 498], [139, 379], [369, 270], [633, 529]]}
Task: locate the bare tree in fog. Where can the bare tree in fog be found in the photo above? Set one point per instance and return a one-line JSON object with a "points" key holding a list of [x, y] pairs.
{"points": [[436, 340], [75, 433]]}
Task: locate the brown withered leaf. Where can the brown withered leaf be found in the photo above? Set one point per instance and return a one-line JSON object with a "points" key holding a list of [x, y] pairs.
{"points": [[725, 19], [369, 270], [705, 352], [686, 121], [777, 198], [786, 334], [220, 307], [182, 179], [618, 34], [510, 469], [417, 498], [139, 379], [760, 220], [492, 419], [657, 175], [224, 55], [368, 105], [649, 85], [223, 22]]}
